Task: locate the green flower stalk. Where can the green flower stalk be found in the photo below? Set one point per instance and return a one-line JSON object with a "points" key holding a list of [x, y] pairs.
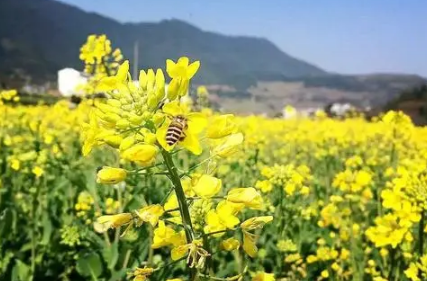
{"points": [[182, 200]]}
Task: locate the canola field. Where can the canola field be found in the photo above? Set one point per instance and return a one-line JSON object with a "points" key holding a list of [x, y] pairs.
{"points": [[151, 184]]}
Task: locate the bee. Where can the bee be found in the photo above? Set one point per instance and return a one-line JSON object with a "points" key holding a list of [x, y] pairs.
{"points": [[176, 129]]}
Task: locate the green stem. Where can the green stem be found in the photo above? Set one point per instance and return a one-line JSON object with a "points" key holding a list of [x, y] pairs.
{"points": [[421, 235], [392, 263], [33, 229], [209, 260], [126, 260], [182, 202], [150, 249], [421, 239], [119, 198], [33, 244], [281, 213]]}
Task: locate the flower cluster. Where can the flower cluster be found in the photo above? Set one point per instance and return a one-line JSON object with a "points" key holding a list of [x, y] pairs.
{"points": [[146, 124], [9, 95], [100, 60]]}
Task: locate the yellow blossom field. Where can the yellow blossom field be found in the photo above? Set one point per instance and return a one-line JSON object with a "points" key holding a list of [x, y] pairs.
{"points": [[149, 183]]}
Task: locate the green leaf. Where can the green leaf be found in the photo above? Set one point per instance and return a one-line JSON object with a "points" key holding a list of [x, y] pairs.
{"points": [[89, 265], [25, 247], [21, 272], [91, 182], [6, 219], [111, 255], [47, 229], [118, 275], [5, 262]]}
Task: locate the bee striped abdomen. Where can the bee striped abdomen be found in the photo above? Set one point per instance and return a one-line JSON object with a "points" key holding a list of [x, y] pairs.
{"points": [[175, 131]]}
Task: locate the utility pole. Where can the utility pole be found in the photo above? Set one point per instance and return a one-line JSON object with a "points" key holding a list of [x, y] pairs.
{"points": [[135, 59]]}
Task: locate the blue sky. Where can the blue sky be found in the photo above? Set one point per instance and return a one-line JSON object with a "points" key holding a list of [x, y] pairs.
{"points": [[345, 36]]}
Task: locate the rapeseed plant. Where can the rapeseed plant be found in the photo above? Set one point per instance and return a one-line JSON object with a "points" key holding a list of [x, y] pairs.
{"points": [[171, 190]]}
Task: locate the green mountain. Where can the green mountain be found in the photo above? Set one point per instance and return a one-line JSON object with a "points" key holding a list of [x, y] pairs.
{"points": [[38, 37], [246, 74]]}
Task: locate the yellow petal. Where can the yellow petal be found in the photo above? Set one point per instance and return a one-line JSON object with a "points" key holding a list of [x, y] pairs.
{"points": [[171, 68], [173, 89], [196, 122], [213, 223], [151, 79], [183, 61], [179, 252], [122, 72], [184, 84], [192, 69], [230, 146], [100, 227], [227, 214], [191, 142], [151, 214], [173, 108], [230, 244], [248, 196], [107, 84], [256, 222], [207, 186], [115, 221], [87, 147], [221, 126], [143, 79], [160, 78], [249, 244]]}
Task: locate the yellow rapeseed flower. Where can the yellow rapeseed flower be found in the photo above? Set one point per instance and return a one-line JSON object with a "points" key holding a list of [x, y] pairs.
{"points": [[151, 214], [229, 146], [166, 236], [206, 186], [221, 126], [38, 171], [115, 221], [181, 72], [196, 123], [109, 175], [248, 196], [263, 276], [230, 244]]}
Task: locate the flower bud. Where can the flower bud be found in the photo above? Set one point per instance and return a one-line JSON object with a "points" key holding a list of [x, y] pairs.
{"points": [[143, 154], [114, 221], [109, 175], [230, 244]]}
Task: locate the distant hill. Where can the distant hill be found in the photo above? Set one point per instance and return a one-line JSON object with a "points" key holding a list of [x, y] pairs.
{"points": [[412, 102], [38, 37]]}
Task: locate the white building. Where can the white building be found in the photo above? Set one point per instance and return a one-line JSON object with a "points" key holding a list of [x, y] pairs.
{"points": [[340, 109], [68, 81]]}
